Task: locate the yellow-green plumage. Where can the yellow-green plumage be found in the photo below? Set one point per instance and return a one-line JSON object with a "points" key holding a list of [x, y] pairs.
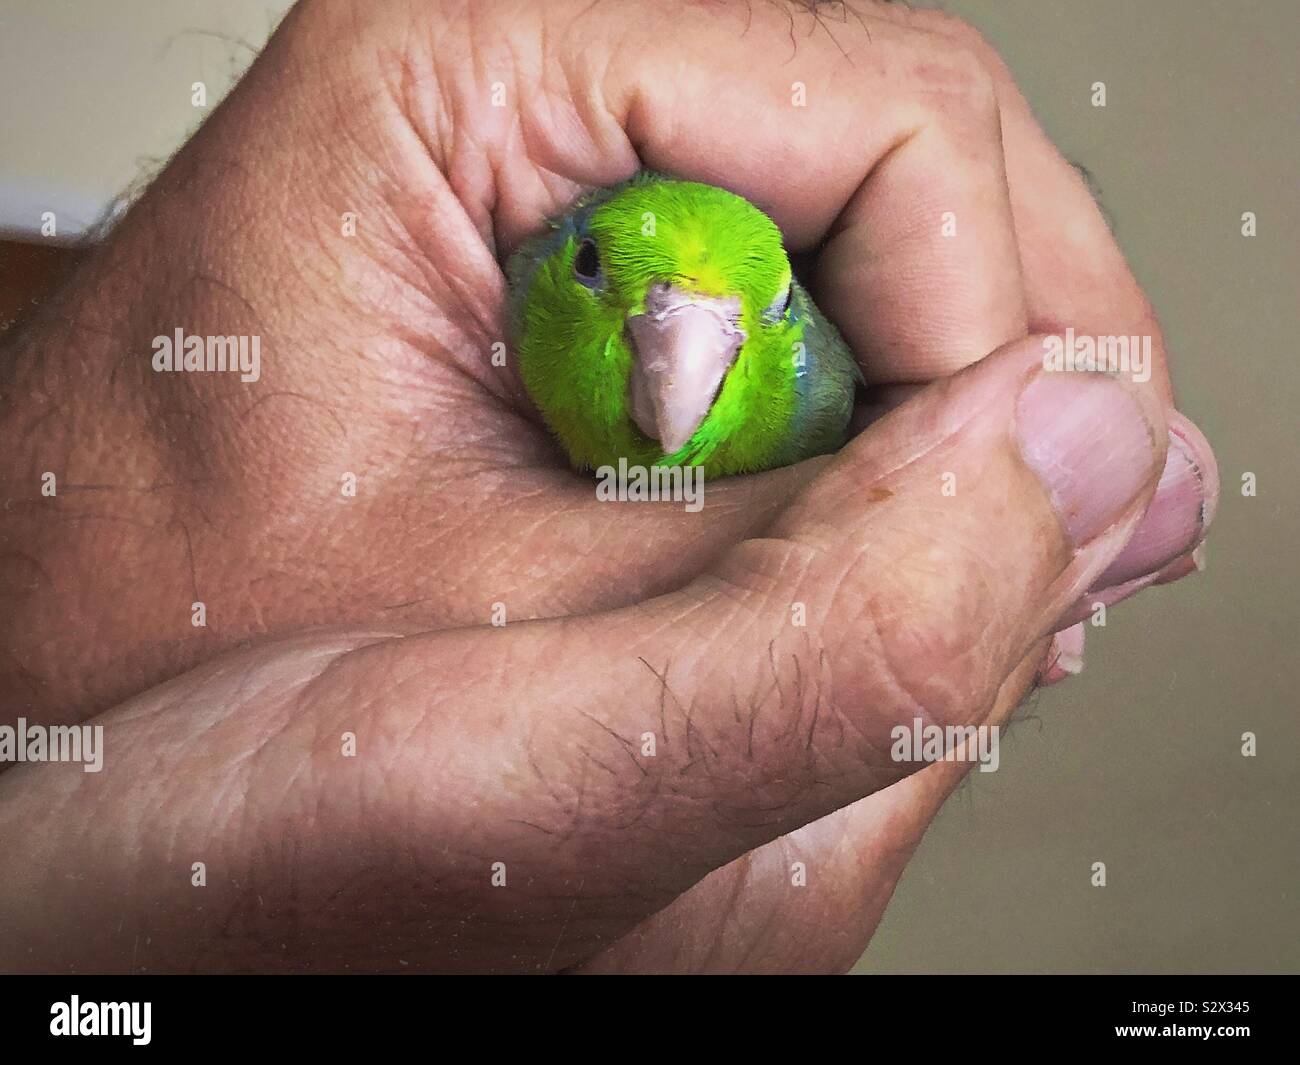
{"points": [[788, 394]]}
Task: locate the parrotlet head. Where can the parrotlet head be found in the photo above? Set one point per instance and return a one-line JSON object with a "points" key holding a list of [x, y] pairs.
{"points": [[654, 323]]}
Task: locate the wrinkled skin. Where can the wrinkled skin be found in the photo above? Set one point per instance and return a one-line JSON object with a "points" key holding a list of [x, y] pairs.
{"points": [[521, 744]]}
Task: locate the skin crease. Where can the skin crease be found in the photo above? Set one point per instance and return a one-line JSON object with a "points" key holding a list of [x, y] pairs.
{"points": [[480, 744]]}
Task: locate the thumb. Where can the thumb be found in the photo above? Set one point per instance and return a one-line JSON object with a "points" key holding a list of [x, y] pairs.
{"points": [[953, 534], [906, 580]]}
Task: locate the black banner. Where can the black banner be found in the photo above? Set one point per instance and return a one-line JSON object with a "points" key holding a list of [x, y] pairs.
{"points": [[143, 1014]]}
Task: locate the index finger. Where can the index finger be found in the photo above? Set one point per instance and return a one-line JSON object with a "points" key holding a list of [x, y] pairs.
{"points": [[1076, 276], [877, 143]]}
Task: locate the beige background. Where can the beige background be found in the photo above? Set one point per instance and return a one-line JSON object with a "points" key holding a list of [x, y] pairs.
{"points": [[1136, 763], [94, 94]]}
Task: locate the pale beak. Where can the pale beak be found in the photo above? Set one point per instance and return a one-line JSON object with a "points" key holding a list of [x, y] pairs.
{"points": [[683, 346]]}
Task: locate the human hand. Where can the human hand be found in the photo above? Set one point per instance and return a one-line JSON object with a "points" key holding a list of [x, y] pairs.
{"points": [[378, 362]]}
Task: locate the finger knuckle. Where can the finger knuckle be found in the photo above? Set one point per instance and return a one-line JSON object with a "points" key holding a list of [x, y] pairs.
{"points": [[954, 29], [930, 633], [972, 67]]}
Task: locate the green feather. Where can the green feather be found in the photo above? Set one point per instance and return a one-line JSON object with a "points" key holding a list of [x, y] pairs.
{"points": [[774, 407]]}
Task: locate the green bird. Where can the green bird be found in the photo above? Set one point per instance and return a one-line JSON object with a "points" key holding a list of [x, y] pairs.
{"points": [[659, 322]]}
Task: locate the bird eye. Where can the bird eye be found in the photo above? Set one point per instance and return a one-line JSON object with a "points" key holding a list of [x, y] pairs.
{"points": [[586, 263]]}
